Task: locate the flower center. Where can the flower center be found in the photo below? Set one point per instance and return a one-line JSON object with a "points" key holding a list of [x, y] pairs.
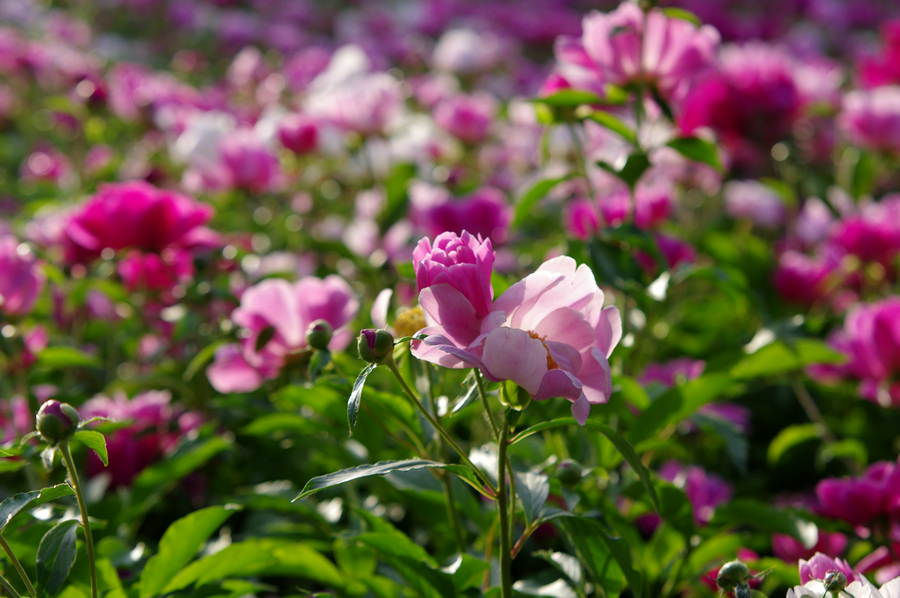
{"points": [[551, 365], [410, 321]]}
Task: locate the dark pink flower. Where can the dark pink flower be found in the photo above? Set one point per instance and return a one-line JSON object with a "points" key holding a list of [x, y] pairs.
{"points": [[467, 117], [299, 133], [871, 118], [805, 279], [581, 218], [283, 312], [464, 263], [873, 235], [705, 491], [485, 212], [247, 162], [21, 278], [857, 500], [790, 550], [672, 372]]}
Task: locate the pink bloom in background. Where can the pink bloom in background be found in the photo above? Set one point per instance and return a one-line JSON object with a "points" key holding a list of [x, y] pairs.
{"points": [[156, 427], [626, 46], [805, 279], [467, 117], [485, 212], [790, 550], [247, 162], [754, 201], [652, 204], [674, 251], [581, 218], [21, 278], [672, 372], [871, 118], [47, 165], [286, 310], [549, 333], [299, 133], [820, 564], [857, 500], [16, 419], [873, 235], [705, 491], [883, 69]]}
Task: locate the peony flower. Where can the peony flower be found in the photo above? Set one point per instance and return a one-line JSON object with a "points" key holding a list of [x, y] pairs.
{"points": [[820, 564], [299, 133], [247, 163], [857, 500], [467, 117], [284, 311], [755, 201], [705, 491], [549, 333], [789, 549], [871, 118], [21, 279]]}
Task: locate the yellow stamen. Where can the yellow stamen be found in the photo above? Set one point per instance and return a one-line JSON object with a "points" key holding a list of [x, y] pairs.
{"points": [[409, 322], [551, 365]]}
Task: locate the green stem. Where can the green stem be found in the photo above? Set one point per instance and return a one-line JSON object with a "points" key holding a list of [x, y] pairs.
{"points": [[452, 515], [440, 430], [582, 160], [18, 566], [484, 401], [76, 486], [502, 507], [8, 588]]}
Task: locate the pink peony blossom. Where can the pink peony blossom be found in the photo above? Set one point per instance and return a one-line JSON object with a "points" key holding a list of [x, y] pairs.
{"points": [[804, 279], [463, 262], [467, 117], [672, 372], [873, 235], [581, 218], [857, 500], [485, 212], [705, 491], [247, 162], [286, 310], [820, 565], [21, 279], [789, 549], [299, 133], [871, 118]]}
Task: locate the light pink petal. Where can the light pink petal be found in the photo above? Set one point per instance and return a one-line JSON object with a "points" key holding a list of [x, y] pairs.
{"points": [[566, 356], [438, 349], [558, 384], [453, 312], [567, 326], [510, 354], [380, 308], [275, 301], [609, 330], [230, 373], [581, 409], [518, 299], [575, 291], [562, 264], [595, 376]]}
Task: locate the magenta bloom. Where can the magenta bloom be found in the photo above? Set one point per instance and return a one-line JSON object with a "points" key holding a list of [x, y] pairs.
{"points": [[804, 279], [286, 310], [299, 133], [873, 235], [652, 205], [871, 118], [820, 564], [790, 550], [134, 214], [463, 262], [21, 279], [672, 372], [485, 212], [549, 333], [247, 162], [156, 427], [673, 53], [857, 500], [581, 218], [755, 201], [467, 117], [705, 491]]}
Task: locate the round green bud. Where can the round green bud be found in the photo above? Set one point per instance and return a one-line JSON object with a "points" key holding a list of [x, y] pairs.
{"points": [[375, 346], [835, 581], [56, 421], [318, 335], [569, 472], [732, 575]]}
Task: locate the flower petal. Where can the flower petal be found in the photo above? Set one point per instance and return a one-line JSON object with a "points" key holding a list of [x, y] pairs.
{"points": [[452, 312], [511, 354], [231, 373]]}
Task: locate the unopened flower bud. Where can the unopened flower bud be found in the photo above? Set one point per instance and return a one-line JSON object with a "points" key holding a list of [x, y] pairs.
{"points": [[569, 472], [318, 335], [375, 346], [835, 582], [56, 421], [731, 575]]}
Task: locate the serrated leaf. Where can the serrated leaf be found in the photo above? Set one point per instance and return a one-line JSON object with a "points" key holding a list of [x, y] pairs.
{"points": [[533, 490], [623, 446], [378, 469], [66, 357], [55, 557], [95, 441], [355, 399], [537, 192], [10, 507], [179, 544], [698, 150], [790, 437], [614, 124]]}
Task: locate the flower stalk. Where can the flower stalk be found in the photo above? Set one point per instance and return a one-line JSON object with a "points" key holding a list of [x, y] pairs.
{"points": [[503, 510], [18, 566], [82, 507]]}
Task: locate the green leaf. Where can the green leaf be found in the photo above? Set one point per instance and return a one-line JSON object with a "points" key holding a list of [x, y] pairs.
{"points": [[618, 441], [277, 422], [468, 397], [790, 437], [781, 357], [570, 98], [55, 557], [537, 192], [697, 150], [614, 124], [407, 558], [356, 395], [634, 167], [607, 559], [10, 507], [378, 469], [200, 360], [765, 518], [259, 557], [677, 404], [95, 441], [67, 357], [533, 490], [676, 509], [179, 545], [684, 15]]}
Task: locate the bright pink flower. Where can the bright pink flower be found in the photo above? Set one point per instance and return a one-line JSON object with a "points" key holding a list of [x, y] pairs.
{"points": [[652, 205], [805, 279], [871, 118], [581, 218], [705, 491], [820, 564], [468, 117], [156, 272], [672, 372], [883, 69], [134, 214], [485, 212], [48, 165], [21, 279], [247, 162], [857, 500], [299, 133], [628, 46], [156, 427], [790, 550], [283, 310], [873, 235], [462, 262]]}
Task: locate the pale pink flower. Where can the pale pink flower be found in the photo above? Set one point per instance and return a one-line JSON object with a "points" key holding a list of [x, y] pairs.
{"points": [[468, 117], [285, 310], [820, 564], [871, 118], [21, 279]]}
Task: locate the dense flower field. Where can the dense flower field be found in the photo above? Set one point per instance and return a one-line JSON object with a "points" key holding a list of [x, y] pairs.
{"points": [[449, 298]]}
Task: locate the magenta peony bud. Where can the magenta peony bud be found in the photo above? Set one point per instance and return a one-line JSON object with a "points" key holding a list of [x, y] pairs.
{"points": [[375, 346], [56, 421]]}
